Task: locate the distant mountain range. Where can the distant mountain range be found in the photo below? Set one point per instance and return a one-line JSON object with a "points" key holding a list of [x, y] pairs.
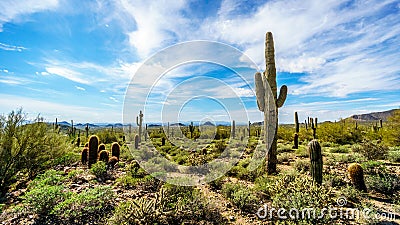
{"points": [[374, 116]]}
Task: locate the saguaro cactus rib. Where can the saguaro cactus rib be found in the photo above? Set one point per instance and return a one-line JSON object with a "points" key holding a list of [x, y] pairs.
{"points": [[262, 84]]}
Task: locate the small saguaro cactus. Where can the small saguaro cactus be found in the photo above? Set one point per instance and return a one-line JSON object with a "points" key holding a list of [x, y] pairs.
{"points": [[84, 155], [356, 175], [314, 150], [305, 122], [262, 82], [136, 141], [93, 146], [78, 140], [115, 149], [139, 122], [249, 129], [233, 132], [296, 135], [191, 129], [145, 133], [87, 130], [103, 156], [101, 147], [162, 141], [381, 123], [314, 126]]}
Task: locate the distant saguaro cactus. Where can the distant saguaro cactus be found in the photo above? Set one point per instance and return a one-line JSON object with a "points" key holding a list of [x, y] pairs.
{"points": [[136, 141], [262, 82], [162, 141], [233, 132], [139, 122], [115, 149], [93, 146], [296, 135], [314, 150], [356, 175], [191, 129], [87, 130]]}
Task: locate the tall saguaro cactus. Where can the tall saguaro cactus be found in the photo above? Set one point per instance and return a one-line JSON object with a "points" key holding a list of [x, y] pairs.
{"points": [[139, 121], [262, 82], [296, 135]]}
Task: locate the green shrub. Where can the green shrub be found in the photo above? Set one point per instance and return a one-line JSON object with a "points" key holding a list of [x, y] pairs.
{"points": [[44, 192], [28, 148], [301, 151], [284, 157], [302, 166], [42, 199], [171, 205], [240, 195], [333, 180], [352, 195], [106, 136], [297, 191], [384, 183], [374, 167], [371, 150], [87, 206], [99, 169], [394, 156], [339, 149]]}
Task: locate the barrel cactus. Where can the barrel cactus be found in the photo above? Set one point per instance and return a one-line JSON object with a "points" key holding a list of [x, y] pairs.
{"points": [[84, 155], [112, 161], [93, 146], [314, 149], [115, 149], [263, 82], [103, 156], [356, 175], [101, 148]]}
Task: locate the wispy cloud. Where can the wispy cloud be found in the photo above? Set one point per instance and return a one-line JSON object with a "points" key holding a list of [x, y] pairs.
{"points": [[14, 10], [11, 47], [80, 88]]}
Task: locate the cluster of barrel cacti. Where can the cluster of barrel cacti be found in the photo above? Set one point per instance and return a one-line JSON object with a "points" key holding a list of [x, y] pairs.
{"points": [[93, 152]]}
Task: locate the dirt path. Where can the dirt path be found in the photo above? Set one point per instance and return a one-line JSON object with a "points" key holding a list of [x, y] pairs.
{"points": [[227, 209]]}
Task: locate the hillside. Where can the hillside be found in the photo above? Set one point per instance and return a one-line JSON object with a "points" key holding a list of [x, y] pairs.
{"points": [[374, 116]]}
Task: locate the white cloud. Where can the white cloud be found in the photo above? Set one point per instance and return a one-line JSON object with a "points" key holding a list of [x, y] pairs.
{"points": [[14, 10], [68, 74], [80, 88], [11, 47], [157, 23], [50, 110]]}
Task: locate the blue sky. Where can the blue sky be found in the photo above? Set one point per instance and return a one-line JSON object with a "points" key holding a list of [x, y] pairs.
{"points": [[74, 60]]}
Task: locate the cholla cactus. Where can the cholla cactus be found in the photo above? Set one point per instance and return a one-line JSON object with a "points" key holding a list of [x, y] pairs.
{"points": [[262, 82]]}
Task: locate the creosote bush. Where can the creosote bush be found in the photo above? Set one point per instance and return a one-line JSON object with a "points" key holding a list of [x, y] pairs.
{"points": [[372, 150]]}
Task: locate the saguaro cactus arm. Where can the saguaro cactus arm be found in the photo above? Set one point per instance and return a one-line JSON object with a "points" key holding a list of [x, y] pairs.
{"points": [[282, 96], [260, 91]]}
